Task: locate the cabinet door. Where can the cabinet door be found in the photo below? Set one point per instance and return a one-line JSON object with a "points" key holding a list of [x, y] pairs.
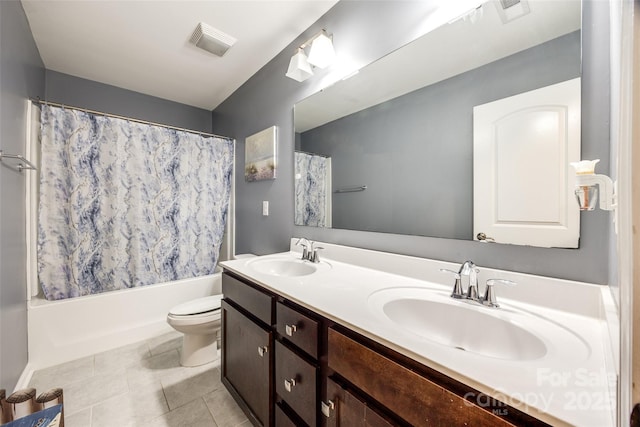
{"points": [[247, 360], [343, 409]]}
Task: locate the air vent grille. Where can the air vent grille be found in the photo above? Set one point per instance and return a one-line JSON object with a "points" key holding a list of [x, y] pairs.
{"points": [[506, 4], [510, 10], [211, 39]]}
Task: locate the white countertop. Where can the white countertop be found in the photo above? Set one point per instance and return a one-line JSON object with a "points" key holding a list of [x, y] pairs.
{"points": [[574, 383]]}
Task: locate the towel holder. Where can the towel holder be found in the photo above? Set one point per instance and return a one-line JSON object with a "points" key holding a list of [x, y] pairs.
{"points": [[21, 164]]}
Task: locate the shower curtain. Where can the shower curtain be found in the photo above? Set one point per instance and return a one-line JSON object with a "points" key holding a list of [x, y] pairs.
{"points": [[126, 204], [312, 189]]}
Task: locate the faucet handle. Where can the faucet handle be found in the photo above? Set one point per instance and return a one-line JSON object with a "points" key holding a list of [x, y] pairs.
{"points": [[455, 273], [457, 287], [313, 255], [304, 242], [489, 298]]}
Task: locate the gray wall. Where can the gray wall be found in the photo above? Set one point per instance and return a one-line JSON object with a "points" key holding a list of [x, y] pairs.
{"points": [[21, 76], [78, 92], [268, 97], [406, 148]]}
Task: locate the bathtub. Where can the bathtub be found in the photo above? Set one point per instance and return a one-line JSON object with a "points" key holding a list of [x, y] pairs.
{"points": [[64, 330]]}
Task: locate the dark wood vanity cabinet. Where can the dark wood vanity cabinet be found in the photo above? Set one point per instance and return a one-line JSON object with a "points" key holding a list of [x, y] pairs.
{"points": [[248, 349], [341, 408], [407, 393], [287, 366]]}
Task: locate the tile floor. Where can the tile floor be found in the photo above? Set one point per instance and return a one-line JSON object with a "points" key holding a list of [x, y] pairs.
{"points": [[142, 384]]}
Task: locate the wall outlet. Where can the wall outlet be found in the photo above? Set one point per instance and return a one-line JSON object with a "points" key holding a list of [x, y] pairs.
{"points": [[265, 208]]}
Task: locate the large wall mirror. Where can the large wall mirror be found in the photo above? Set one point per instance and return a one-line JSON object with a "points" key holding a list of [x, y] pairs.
{"points": [[395, 147]]}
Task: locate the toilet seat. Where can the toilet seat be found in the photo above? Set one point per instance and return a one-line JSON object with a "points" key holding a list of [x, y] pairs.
{"points": [[198, 306]]}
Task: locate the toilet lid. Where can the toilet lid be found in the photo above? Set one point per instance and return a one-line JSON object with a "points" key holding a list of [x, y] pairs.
{"points": [[197, 306]]}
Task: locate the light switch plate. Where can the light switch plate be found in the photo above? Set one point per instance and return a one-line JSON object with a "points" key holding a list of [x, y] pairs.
{"points": [[265, 208]]}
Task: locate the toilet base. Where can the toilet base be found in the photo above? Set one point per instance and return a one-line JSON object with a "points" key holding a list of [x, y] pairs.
{"points": [[199, 349]]}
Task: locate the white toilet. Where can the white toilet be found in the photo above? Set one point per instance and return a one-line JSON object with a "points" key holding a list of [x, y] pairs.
{"points": [[199, 321]]}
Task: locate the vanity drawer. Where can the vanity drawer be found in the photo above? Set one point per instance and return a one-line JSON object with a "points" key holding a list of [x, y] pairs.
{"points": [[410, 395], [296, 383], [256, 302], [297, 328], [282, 419]]}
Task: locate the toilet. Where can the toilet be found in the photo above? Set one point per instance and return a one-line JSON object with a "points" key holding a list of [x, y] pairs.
{"points": [[199, 321]]}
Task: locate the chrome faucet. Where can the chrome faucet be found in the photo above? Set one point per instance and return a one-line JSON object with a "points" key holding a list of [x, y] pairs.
{"points": [[468, 268], [309, 250]]}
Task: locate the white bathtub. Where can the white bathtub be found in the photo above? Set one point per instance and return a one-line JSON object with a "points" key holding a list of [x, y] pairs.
{"points": [[64, 330]]}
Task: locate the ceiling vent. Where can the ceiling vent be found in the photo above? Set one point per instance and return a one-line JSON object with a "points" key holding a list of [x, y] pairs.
{"points": [[506, 4], [212, 40], [510, 10]]}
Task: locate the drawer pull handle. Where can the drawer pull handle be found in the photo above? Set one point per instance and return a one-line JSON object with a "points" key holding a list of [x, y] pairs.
{"points": [[289, 384], [327, 408], [290, 329], [262, 350]]}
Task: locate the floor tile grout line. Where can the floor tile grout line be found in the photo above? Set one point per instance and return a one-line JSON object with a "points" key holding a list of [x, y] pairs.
{"points": [[166, 400], [209, 409], [126, 361]]}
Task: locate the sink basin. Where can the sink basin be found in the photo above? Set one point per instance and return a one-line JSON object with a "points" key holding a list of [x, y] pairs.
{"points": [[286, 267], [465, 329], [502, 333]]}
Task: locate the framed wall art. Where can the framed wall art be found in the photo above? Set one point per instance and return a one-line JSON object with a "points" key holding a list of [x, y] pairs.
{"points": [[260, 155]]}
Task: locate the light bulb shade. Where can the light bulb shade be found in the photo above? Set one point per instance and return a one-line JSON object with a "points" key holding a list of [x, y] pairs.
{"points": [[322, 53], [299, 67], [585, 167]]}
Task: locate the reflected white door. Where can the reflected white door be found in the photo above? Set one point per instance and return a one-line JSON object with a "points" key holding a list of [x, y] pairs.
{"points": [[523, 184]]}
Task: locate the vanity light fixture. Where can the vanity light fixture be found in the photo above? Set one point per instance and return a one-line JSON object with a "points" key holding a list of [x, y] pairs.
{"points": [[299, 67], [587, 184], [321, 55]]}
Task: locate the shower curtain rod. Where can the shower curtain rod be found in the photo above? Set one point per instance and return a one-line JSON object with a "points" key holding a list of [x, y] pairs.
{"points": [[131, 119]]}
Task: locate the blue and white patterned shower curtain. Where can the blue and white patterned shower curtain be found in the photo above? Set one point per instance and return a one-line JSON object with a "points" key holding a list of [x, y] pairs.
{"points": [[311, 189], [125, 204]]}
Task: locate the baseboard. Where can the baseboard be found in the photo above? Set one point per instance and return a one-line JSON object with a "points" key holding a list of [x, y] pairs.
{"points": [[25, 377]]}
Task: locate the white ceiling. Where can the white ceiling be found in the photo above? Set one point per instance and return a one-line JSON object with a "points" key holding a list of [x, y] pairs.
{"points": [[144, 45]]}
